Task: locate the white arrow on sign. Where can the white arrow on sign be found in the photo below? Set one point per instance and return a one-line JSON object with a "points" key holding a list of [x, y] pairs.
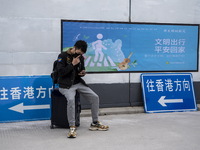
{"points": [[20, 107], [163, 101]]}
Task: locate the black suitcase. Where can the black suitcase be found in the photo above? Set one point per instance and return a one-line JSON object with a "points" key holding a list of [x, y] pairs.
{"points": [[59, 110]]}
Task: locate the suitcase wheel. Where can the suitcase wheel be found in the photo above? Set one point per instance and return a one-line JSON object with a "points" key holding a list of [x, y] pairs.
{"points": [[52, 127]]}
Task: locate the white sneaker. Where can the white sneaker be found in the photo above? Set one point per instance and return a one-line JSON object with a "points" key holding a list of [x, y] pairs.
{"points": [[72, 132], [98, 127]]}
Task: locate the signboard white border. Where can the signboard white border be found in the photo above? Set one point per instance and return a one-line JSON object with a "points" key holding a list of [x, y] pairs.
{"points": [[167, 74]]}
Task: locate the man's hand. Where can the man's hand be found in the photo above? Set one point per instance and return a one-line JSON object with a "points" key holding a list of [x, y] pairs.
{"points": [[82, 73], [76, 60]]}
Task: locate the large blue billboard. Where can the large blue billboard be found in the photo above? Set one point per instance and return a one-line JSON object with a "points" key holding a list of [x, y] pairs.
{"points": [[119, 47]]}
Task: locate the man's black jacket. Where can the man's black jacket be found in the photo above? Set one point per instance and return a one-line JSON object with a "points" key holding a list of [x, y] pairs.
{"points": [[67, 72]]}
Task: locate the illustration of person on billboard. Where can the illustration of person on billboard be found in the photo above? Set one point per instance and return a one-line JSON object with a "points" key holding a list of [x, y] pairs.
{"points": [[98, 46]]}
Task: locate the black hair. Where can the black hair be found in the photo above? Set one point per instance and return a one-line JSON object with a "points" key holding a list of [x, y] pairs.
{"points": [[81, 45]]}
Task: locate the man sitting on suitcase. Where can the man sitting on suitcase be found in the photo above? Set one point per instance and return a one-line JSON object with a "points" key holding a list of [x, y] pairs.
{"points": [[70, 69]]}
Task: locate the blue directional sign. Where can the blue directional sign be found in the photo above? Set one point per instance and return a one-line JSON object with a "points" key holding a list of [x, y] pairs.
{"points": [[168, 92], [25, 98]]}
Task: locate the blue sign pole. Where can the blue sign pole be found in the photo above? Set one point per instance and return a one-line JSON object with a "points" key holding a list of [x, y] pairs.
{"points": [[168, 92], [25, 98]]}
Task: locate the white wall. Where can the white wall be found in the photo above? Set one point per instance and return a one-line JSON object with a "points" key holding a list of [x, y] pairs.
{"points": [[30, 35], [30, 30], [166, 11]]}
